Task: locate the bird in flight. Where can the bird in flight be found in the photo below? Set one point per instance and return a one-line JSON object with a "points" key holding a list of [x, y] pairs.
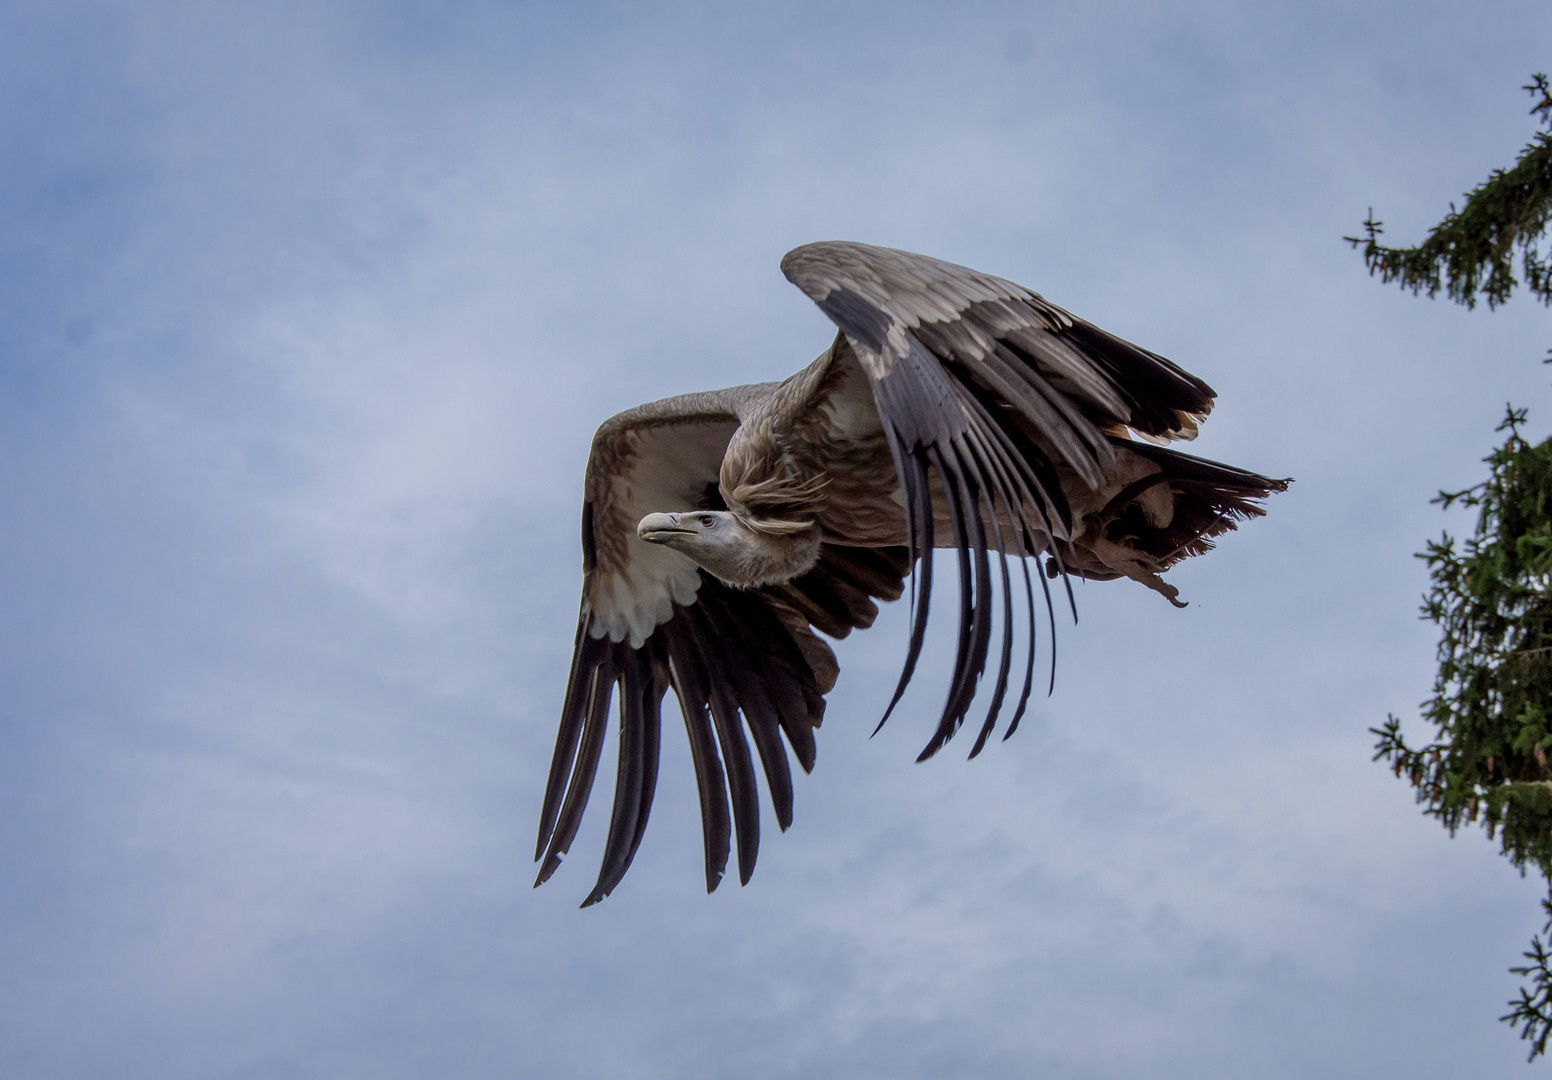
{"points": [[721, 530]]}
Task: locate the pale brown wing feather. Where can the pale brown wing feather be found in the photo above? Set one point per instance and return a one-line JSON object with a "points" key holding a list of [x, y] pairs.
{"points": [[744, 665]]}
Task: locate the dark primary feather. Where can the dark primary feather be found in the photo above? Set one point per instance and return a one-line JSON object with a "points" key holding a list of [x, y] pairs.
{"points": [[739, 677]]}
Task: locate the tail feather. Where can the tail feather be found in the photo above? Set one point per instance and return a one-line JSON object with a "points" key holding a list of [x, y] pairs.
{"points": [[1210, 499], [1207, 498]]}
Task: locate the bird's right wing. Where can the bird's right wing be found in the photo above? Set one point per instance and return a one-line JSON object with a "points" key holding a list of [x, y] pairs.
{"points": [[993, 400]]}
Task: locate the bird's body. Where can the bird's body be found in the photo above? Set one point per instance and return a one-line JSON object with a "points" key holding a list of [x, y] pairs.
{"points": [[721, 530]]}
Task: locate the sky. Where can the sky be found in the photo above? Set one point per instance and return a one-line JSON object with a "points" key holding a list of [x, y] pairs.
{"points": [[310, 313]]}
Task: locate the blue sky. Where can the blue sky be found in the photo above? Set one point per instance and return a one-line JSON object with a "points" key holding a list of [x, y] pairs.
{"points": [[311, 312]]}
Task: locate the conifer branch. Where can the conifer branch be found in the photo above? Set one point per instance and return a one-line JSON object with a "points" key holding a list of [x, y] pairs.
{"points": [[1532, 1013], [1471, 252]]}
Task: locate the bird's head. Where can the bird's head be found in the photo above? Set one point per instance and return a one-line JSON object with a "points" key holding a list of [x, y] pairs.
{"points": [[726, 545]]}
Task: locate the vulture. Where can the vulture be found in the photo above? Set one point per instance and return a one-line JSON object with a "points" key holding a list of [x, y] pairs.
{"points": [[724, 532]]}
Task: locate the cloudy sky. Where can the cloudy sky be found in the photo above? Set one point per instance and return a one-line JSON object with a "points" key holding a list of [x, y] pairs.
{"points": [[309, 313]]}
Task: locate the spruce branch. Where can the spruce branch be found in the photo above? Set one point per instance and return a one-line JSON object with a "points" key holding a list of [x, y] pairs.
{"points": [[1532, 1013], [1491, 592], [1471, 252]]}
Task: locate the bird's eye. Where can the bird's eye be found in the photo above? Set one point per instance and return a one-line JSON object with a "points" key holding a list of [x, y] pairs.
{"points": [[708, 521]]}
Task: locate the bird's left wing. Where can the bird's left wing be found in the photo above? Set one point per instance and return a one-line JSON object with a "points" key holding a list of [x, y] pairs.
{"points": [[651, 621]]}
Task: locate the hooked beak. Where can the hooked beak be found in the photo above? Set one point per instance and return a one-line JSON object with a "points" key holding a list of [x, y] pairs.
{"points": [[660, 528]]}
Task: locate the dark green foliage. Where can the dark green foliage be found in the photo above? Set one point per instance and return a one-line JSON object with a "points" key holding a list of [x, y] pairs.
{"points": [[1492, 702], [1472, 250], [1492, 698], [1532, 1013], [1492, 598]]}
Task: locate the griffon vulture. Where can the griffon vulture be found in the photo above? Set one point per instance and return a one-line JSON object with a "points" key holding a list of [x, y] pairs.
{"points": [[721, 530]]}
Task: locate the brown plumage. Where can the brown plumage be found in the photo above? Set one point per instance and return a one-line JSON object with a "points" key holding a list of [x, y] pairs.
{"points": [[721, 530]]}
